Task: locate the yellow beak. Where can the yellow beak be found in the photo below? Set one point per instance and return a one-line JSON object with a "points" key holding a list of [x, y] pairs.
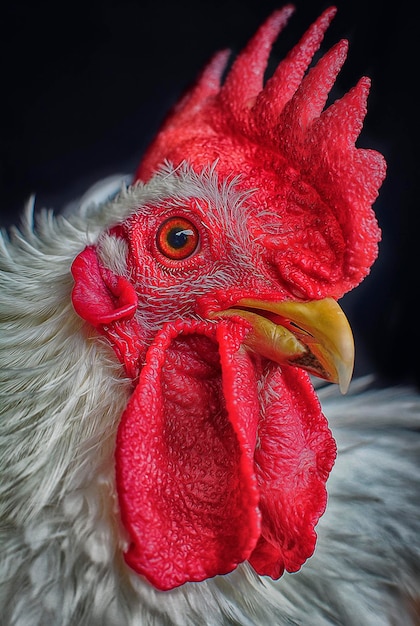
{"points": [[315, 336]]}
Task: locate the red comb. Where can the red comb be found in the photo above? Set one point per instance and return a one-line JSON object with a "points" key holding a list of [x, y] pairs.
{"points": [[301, 159]]}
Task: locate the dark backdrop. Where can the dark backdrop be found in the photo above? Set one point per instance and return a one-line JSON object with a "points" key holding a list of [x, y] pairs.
{"points": [[85, 86]]}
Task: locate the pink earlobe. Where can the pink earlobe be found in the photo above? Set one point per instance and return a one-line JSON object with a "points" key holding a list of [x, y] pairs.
{"points": [[100, 296]]}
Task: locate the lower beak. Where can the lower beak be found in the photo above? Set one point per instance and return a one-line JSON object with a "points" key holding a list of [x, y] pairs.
{"points": [[314, 336]]}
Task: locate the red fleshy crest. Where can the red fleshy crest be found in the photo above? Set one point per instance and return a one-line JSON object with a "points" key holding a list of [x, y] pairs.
{"points": [[288, 75], [280, 141]]}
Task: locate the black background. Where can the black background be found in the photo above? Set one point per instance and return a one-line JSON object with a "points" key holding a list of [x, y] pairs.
{"points": [[85, 86]]}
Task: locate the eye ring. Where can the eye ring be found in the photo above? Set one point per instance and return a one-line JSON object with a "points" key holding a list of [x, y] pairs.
{"points": [[177, 238]]}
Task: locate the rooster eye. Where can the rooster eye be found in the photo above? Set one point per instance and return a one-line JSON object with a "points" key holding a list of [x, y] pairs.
{"points": [[177, 238]]}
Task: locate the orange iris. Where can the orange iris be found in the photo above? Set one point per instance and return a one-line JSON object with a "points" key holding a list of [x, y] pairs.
{"points": [[177, 238]]}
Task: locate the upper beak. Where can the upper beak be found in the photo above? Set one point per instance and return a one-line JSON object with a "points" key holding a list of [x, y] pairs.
{"points": [[315, 336]]}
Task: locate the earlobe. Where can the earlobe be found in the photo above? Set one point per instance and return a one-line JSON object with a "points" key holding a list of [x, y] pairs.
{"points": [[100, 296]]}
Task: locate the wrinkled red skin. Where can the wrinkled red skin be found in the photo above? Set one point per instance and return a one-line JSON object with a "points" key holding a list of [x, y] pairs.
{"points": [[210, 470], [300, 158]]}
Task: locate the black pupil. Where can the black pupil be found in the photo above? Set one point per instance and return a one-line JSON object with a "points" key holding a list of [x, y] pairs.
{"points": [[178, 237]]}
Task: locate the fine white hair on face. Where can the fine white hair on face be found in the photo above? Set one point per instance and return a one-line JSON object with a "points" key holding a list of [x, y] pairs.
{"points": [[112, 253], [221, 208], [221, 204], [62, 394]]}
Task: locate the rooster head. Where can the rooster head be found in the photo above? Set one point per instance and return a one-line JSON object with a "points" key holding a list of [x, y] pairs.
{"points": [[216, 287]]}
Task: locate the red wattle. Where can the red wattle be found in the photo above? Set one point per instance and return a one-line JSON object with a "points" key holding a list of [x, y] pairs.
{"points": [[213, 468], [184, 457]]}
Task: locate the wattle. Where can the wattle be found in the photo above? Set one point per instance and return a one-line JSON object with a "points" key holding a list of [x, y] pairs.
{"points": [[220, 458]]}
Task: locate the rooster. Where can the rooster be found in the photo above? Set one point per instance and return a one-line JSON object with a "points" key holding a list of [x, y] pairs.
{"points": [[165, 454]]}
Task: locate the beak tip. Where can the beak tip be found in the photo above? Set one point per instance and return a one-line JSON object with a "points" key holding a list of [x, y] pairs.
{"points": [[344, 388], [344, 377]]}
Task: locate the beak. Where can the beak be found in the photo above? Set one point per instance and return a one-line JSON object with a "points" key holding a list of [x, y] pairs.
{"points": [[314, 336]]}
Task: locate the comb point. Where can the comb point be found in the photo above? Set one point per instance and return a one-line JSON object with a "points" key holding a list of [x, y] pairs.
{"points": [[281, 87], [245, 79]]}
